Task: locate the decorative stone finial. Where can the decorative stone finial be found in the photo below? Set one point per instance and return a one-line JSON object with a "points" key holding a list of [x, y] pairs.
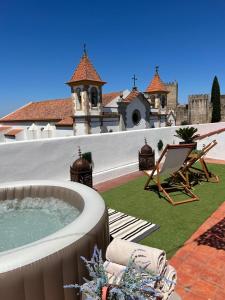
{"points": [[85, 50], [145, 141], [156, 69]]}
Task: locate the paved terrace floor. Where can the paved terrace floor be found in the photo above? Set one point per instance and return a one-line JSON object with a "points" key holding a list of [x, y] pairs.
{"points": [[200, 268]]}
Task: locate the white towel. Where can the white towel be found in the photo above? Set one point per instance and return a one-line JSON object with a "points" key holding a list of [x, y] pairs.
{"points": [[114, 271], [119, 251], [169, 280]]}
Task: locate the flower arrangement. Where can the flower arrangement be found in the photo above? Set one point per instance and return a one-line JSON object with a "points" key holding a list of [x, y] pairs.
{"points": [[136, 282]]}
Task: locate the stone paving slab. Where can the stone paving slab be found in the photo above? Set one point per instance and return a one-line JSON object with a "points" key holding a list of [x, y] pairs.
{"points": [[201, 268]]}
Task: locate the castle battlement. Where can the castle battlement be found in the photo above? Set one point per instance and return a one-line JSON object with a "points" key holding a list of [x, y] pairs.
{"points": [[171, 83], [197, 96]]}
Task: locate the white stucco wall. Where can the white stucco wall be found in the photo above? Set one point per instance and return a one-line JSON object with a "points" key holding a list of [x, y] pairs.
{"points": [[95, 126], [136, 104], [217, 152], [111, 124], [80, 128], [21, 136], [64, 131], [114, 154]]}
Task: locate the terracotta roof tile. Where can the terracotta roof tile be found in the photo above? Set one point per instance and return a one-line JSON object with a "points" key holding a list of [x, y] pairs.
{"points": [[13, 132], [85, 71], [5, 128], [133, 94], [107, 98], [58, 110], [50, 110], [68, 121], [156, 85]]}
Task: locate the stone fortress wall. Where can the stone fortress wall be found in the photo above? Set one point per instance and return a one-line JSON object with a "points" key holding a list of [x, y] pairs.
{"points": [[222, 105], [172, 97], [198, 110], [181, 113]]}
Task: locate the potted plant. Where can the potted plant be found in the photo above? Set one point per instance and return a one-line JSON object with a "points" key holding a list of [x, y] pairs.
{"points": [[88, 157], [160, 146], [187, 134], [131, 285]]}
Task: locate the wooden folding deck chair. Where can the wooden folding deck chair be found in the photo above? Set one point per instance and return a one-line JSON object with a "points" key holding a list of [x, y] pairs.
{"points": [[175, 156], [189, 168]]}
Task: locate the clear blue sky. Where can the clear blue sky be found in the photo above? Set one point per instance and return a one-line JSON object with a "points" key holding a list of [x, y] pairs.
{"points": [[41, 43]]}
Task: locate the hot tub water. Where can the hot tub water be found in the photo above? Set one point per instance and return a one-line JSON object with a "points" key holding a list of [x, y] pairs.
{"points": [[30, 219]]}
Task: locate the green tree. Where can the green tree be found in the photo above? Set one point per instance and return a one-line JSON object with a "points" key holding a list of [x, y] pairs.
{"points": [[215, 100]]}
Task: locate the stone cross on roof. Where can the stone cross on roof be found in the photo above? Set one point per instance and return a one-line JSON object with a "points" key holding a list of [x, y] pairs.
{"points": [[134, 78]]}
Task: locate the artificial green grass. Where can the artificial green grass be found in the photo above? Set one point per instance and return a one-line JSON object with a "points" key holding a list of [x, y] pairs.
{"points": [[177, 223]]}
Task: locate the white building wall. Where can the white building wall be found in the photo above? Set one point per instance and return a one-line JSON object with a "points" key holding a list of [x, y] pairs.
{"points": [[64, 131], [136, 104], [21, 136], [114, 154], [2, 137], [95, 127], [111, 125], [80, 128]]}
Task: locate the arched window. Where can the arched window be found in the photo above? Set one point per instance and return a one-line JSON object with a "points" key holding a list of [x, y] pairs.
{"points": [[78, 92], [163, 101], [152, 98], [94, 96], [136, 117]]}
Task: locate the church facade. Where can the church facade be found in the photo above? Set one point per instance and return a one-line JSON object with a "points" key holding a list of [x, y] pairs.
{"points": [[89, 111]]}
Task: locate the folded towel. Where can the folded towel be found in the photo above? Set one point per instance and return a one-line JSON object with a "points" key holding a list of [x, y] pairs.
{"points": [[114, 271], [169, 280], [167, 296], [119, 252]]}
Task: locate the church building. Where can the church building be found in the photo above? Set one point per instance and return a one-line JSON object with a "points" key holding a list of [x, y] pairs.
{"points": [[89, 111]]}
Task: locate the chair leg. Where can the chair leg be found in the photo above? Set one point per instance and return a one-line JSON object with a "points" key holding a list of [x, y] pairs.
{"points": [[147, 182], [170, 199], [210, 176]]}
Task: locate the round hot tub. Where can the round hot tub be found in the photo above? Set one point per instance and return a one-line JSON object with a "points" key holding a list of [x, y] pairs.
{"points": [[36, 265]]}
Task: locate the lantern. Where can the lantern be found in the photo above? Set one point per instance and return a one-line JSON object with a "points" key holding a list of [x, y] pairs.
{"points": [[81, 171], [146, 158]]}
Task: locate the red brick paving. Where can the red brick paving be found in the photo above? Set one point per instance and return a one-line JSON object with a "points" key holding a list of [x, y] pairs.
{"points": [[107, 185], [215, 161], [200, 268]]}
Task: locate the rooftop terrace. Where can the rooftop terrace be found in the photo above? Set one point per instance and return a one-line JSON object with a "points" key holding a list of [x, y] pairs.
{"points": [[116, 155], [190, 233]]}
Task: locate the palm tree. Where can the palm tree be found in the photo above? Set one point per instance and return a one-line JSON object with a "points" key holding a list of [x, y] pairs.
{"points": [[187, 134]]}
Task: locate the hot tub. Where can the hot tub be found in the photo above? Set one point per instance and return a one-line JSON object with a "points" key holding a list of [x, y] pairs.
{"points": [[39, 270]]}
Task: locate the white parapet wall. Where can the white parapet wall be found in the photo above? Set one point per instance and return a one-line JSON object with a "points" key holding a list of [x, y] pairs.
{"points": [[114, 154]]}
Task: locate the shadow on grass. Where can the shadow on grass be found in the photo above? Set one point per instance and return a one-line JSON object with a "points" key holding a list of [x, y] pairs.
{"points": [[174, 191]]}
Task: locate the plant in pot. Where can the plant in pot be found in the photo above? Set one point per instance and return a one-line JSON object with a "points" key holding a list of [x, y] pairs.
{"points": [[160, 145], [187, 134], [131, 285], [88, 157]]}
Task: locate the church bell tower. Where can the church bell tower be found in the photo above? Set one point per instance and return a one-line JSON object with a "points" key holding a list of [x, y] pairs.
{"points": [[86, 89]]}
